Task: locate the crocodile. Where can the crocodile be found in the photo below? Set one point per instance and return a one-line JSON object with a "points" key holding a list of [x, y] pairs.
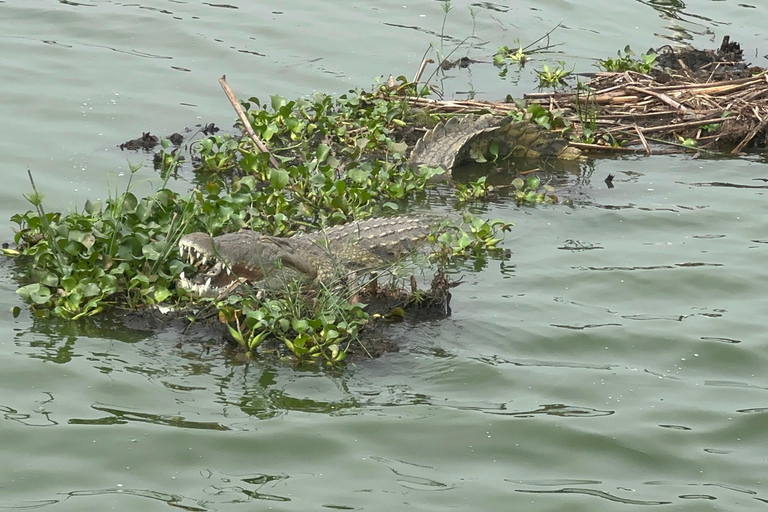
{"points": [[467, 138], [326, 257], [320, 258]]}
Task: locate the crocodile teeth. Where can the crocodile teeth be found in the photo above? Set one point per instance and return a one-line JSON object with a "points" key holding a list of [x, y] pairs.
{"points": [[182, 276], [208, 282]]}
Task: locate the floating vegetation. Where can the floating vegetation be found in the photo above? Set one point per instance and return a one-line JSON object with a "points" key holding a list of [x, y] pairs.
{"points": [[309, 164]]}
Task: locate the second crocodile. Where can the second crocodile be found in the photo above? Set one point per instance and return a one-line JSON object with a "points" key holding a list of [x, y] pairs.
{"points": [[471, 138]]}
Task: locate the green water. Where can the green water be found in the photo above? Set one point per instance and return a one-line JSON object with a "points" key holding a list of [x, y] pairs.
{"points": [[616, 360]]}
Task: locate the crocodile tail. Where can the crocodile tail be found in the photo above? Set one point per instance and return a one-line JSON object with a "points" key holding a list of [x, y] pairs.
{"points": [[443, 145], [523, 139], [459, 138]]}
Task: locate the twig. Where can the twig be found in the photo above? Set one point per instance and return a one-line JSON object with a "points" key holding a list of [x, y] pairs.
{"points": [[545, 36], [750, 135], [600, 147], [642, 139], [681, 146], [663, 97], [689, 124], [246, 124], [423, 65]]}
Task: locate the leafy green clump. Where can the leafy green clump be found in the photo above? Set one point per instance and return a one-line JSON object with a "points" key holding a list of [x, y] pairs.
{"points": [[627, 62], [553, 77], [516, 55], [339, 160]]}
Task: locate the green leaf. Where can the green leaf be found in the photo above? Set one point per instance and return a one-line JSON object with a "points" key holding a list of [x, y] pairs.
{"points": [[92, 207], [35, 292], [91, 289], [269, 132], [256, 340], [155, 250], [130, 248], [278, 102], [279, 178], [358, 175], [322, 152], [49, 279], [161, 293], [397, 147], [129, 203], [493, 149], [236, 335], [391, 206], [299, 325]]}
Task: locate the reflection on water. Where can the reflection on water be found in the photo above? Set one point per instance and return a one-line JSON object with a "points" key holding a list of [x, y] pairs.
{"points": [[599, 494], [120, 417]]}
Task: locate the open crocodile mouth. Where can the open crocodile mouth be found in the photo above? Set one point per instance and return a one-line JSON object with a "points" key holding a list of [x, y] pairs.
{"points": [[211, 278]]}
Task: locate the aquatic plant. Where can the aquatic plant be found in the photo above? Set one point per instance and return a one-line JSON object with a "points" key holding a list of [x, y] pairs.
{"points": [[552, 77], [627, 62], [339, 161]]}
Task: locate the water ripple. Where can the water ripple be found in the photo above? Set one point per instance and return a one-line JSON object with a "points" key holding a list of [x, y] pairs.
{"points": [[565, 411], [173, 500], [724, 340], [120, 417], [654, 267], [599, 494], [585, 326]]}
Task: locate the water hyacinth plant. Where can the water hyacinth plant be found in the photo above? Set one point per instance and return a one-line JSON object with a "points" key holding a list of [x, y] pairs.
{"points": [[339, 160]]}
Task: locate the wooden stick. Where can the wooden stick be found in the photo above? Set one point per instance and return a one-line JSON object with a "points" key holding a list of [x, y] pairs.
{"points": [[663, 97], [642, 140], [750, 135], [689, 124], [420, 72], [246, 124], [599, 147], [754, 80], [615, 100]]}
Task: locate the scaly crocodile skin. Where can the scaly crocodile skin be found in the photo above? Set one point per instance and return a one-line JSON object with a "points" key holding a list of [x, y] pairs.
{"points": [[461, 138], [268, 262]]}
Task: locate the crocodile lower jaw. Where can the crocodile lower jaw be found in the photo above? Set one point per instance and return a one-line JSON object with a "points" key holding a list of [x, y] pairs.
{"points": [[202, 285], [213, 278]]}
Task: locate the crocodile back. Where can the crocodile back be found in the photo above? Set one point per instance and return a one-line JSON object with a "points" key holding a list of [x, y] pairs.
{"points": [[368, 243]]}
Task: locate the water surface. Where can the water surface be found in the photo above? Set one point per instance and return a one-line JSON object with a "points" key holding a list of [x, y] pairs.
{"points": [[616, 360]]}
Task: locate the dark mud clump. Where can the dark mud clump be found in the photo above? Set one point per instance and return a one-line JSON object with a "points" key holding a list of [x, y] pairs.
{"points": [[146, 142], [725, 63]]}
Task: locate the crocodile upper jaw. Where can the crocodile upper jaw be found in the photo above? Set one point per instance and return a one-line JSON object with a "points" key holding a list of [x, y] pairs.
{"points": [[215, 275], [212, 276]]}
